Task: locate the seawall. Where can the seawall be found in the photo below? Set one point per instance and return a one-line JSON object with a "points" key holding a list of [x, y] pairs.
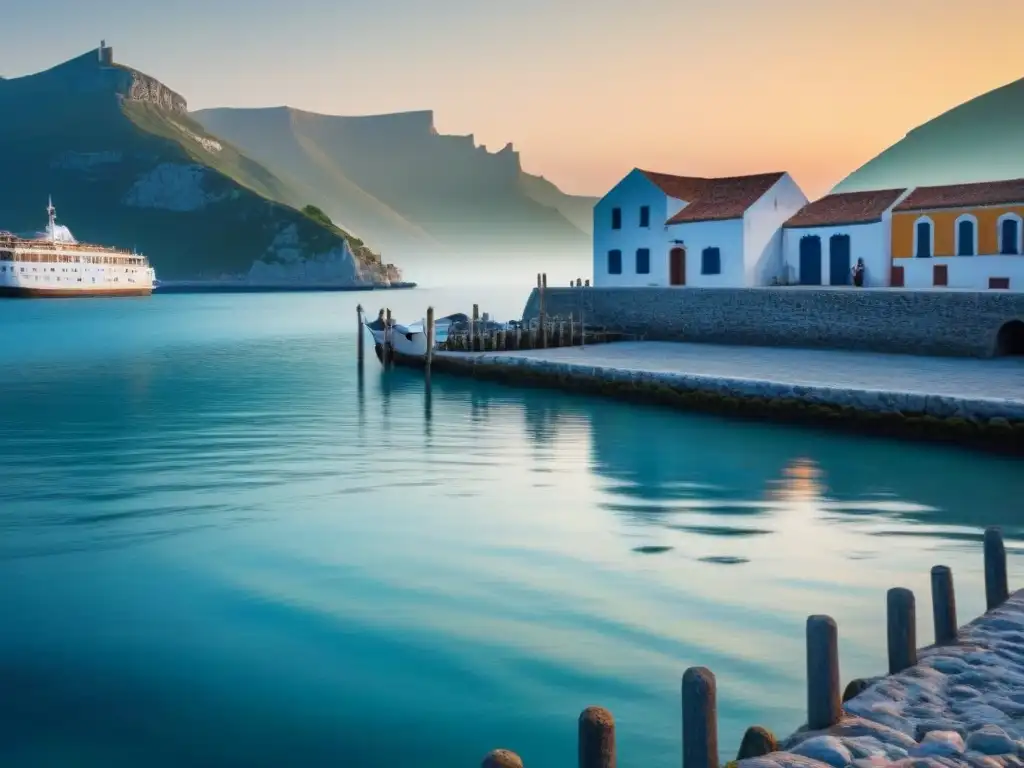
{"points": [[957, 323], [972, 403]]}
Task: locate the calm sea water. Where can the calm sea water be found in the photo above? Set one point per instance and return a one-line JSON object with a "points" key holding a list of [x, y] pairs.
{"points": [[218, 548]]}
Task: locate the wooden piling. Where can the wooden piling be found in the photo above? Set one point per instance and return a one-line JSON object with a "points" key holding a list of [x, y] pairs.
{"points": [[388, 349], [943, 605], [430, 338], [901, 629], [572, 331], [824, 706], [997, 589], [362, 333], [474, 329], [542, 284], [700, 719], [596, 738], [502, 758]]}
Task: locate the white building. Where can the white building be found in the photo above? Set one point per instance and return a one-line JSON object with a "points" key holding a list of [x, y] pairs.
{"points": [[655, 229], [822, 243]]}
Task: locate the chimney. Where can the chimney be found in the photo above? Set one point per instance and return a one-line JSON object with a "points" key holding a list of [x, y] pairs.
{"points": [[106, 54]]}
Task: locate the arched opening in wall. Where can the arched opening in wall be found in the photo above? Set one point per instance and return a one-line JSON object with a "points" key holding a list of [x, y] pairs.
{"points": [[1010, 339]]}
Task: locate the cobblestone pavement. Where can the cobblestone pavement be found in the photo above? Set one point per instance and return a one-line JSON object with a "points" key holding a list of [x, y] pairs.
{"points": [[999, 378]]}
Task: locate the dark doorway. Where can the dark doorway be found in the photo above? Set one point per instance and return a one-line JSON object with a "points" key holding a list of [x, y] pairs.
{"points": [[677, 266], [810, 260], [1010, 339], [840, 270]]}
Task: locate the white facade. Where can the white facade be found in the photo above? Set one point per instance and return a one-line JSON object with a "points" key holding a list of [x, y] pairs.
{"points": [[749, 248], [964, 272], [763, 235], [868, 241], [629, 196]]}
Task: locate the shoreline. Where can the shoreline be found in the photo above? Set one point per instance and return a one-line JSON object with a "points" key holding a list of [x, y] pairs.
{"points": [[992, 424], [226, 286]]}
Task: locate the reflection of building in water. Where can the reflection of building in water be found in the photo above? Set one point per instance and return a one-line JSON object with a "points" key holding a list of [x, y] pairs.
{"points": [[801, 481]]}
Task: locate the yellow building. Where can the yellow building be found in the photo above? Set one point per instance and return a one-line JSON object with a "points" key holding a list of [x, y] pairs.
{"points": [[960, 236]]}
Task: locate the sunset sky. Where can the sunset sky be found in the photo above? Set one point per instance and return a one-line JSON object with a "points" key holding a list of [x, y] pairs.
{"points": [[586, 90]]}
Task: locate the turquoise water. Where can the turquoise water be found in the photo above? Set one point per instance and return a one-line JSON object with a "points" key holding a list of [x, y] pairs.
{"points": [[217, 548]]}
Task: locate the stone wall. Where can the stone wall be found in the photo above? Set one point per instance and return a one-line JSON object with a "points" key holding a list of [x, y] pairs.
{"points": [[959, 323]]}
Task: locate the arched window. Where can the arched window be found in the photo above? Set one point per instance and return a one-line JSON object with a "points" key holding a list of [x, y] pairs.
{"points": [[1010, 229], [966, 235], [924, 238]]}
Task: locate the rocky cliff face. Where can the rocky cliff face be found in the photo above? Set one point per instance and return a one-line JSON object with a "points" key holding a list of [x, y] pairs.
{"points": [[128, 167], [395, 180]]}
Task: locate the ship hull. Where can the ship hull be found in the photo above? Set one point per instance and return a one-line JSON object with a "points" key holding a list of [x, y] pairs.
{"points": [[21, 292]]}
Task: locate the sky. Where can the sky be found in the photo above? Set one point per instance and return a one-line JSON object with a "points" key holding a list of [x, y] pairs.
{"points": [[585, 89]]}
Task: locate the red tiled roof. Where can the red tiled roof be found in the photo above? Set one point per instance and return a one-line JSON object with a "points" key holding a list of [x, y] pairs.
{"points": [[713, 199], [845, 208], [964, 195]]}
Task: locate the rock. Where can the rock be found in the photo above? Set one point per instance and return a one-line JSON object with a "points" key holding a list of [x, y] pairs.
{"points": [[502, 758], [991, 740], [757, 741], [854, 688], [939, 744], [827, 749]]}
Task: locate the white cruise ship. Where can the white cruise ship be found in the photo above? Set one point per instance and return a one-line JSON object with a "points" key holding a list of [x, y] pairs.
{"points": [[54, 264]]}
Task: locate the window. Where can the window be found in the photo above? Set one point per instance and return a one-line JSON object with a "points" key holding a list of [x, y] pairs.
{"points": [[923, 238], [645, 215], [643, 261], [1009, 235], [966, 236], [616, 218], [711, 261], [615, 261]]}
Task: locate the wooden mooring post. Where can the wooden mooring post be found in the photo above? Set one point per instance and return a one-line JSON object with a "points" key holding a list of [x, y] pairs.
{"points": [[996, 589], [901, 629], [824, 704], [700, 719], [474, 330], [430, 341], [388, 350], [596, 738], [824, 707], [943, 605], [361, 332]]}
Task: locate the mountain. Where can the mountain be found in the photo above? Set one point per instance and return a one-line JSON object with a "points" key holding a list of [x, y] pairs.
{"points": [[980, 140], [127, 166], [395, 180]]}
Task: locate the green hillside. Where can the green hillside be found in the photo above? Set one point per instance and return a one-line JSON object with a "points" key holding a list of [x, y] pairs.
{"points": [[394, 179], [980, 140], [127, 166]]}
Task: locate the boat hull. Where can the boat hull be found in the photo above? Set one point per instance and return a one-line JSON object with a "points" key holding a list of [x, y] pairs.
{"points": [[22, 292], [410, 343]]}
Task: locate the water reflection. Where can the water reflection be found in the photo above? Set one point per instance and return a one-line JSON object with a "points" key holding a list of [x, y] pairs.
{"points": [[656, 462]]}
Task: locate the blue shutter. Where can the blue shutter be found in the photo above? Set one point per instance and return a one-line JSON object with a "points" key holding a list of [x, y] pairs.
{"points": [[924, 240], [965, 238], [643, 261], [1010, 237], [615, 262], [711, 261]]}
